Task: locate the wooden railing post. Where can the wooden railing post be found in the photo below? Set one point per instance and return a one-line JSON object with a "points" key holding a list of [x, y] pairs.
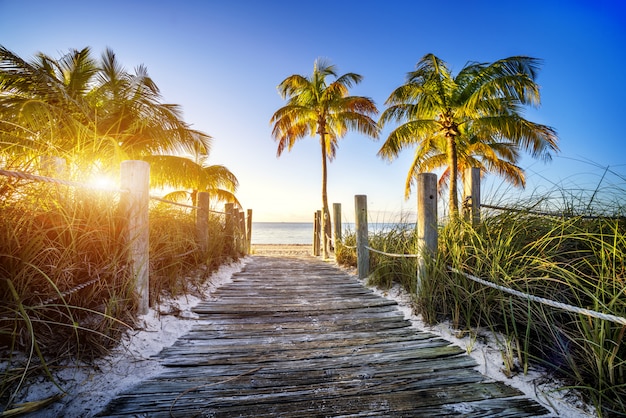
{"points": [[317, 228], [362, 240], [337, 222], [241, 232], [202, 223], [135, 177], [326, 233], [249, 232], [229, 228], [471, 195], [427, 233]]}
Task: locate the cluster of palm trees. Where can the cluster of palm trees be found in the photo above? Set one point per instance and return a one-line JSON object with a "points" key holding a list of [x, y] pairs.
{"points": [[94, 114], [454, 122]]}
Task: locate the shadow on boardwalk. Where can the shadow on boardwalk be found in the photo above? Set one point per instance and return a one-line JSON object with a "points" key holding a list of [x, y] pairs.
{"points": [[298, 337]]}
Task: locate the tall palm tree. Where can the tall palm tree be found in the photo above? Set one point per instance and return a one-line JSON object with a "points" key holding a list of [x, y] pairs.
{"points": [[317, 107], [475, 117]]}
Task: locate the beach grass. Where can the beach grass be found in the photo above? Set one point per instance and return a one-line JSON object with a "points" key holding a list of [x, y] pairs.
{"points": [[576, 260], [65, 285]]}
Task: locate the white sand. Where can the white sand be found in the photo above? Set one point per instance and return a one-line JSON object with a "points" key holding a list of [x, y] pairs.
{"points": [[282, 250], [486, 349], [90, 389]]}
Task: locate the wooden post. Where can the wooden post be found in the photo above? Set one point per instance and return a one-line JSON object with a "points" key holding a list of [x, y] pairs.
{"points": [[241, 233], [249, 232], [236, 232], [471, 195], [337, 222], [135, 177], [229, 229], [427, 233], [317, 228], [202, 223], [327, 233], [362, 240]]}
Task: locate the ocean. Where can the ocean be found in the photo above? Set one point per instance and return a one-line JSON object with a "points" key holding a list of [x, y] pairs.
{"points": [[282, 233], [297, 232]]}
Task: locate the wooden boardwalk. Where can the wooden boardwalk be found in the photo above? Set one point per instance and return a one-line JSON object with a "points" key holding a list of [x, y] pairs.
{"points": [[299, 337]]}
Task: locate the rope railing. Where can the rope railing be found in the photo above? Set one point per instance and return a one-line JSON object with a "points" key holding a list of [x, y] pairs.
{"points": [[69, 292], [171, 202], [390, 254], [549, 302], [44, 179], [184, 205]]}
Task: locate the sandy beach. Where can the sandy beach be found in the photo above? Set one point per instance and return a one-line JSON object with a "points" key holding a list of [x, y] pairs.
{"points": [[291, 250]]}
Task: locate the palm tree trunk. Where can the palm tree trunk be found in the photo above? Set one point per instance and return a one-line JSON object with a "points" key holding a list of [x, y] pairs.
{"points": [[452, 164], [325, 211]]}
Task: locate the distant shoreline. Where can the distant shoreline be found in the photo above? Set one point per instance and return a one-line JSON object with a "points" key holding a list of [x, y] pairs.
{"points": [[282, 249]]}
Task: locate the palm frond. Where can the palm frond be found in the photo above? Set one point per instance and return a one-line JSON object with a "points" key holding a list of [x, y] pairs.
{"points": [[478, 113]]}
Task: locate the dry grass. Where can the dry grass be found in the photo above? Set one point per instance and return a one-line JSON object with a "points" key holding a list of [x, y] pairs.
{"points": [[65, 288]]}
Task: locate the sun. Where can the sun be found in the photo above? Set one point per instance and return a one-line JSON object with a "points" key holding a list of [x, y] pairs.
{"points": [[102, 182]]}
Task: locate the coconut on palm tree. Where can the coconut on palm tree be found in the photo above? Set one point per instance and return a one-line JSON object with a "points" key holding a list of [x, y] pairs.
{"points": [[318, 106], [473, 119]]}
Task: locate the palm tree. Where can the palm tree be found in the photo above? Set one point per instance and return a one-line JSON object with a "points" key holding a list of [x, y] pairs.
{"points": [[42, 102], [316, 107], [130, 110], [475, 118], [487, 155], [192, 175], [87, 111]]}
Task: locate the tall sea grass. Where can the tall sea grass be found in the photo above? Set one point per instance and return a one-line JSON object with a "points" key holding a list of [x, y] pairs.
{"points": [[66, 293], [576, 259]]}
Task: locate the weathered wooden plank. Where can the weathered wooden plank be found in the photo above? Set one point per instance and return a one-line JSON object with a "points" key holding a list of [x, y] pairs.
{"points": [[342, 398], [298, 337], [281, 376], [315, 358], [349, 345]]}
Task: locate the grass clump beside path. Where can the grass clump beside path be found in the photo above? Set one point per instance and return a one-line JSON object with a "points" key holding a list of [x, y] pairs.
{"points": [[66, 292], [574, 260]]}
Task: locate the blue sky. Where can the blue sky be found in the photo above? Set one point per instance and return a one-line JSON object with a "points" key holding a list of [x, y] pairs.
{"points": [[222, 60]]}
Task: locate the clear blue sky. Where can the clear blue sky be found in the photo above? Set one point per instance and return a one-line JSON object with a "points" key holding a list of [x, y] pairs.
{"points": [[222, 60]]}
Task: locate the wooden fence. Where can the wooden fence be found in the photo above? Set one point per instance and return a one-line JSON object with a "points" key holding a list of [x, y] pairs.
{"points": [[135, 178], [427, 229], [134, 207], [427, 237]]}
